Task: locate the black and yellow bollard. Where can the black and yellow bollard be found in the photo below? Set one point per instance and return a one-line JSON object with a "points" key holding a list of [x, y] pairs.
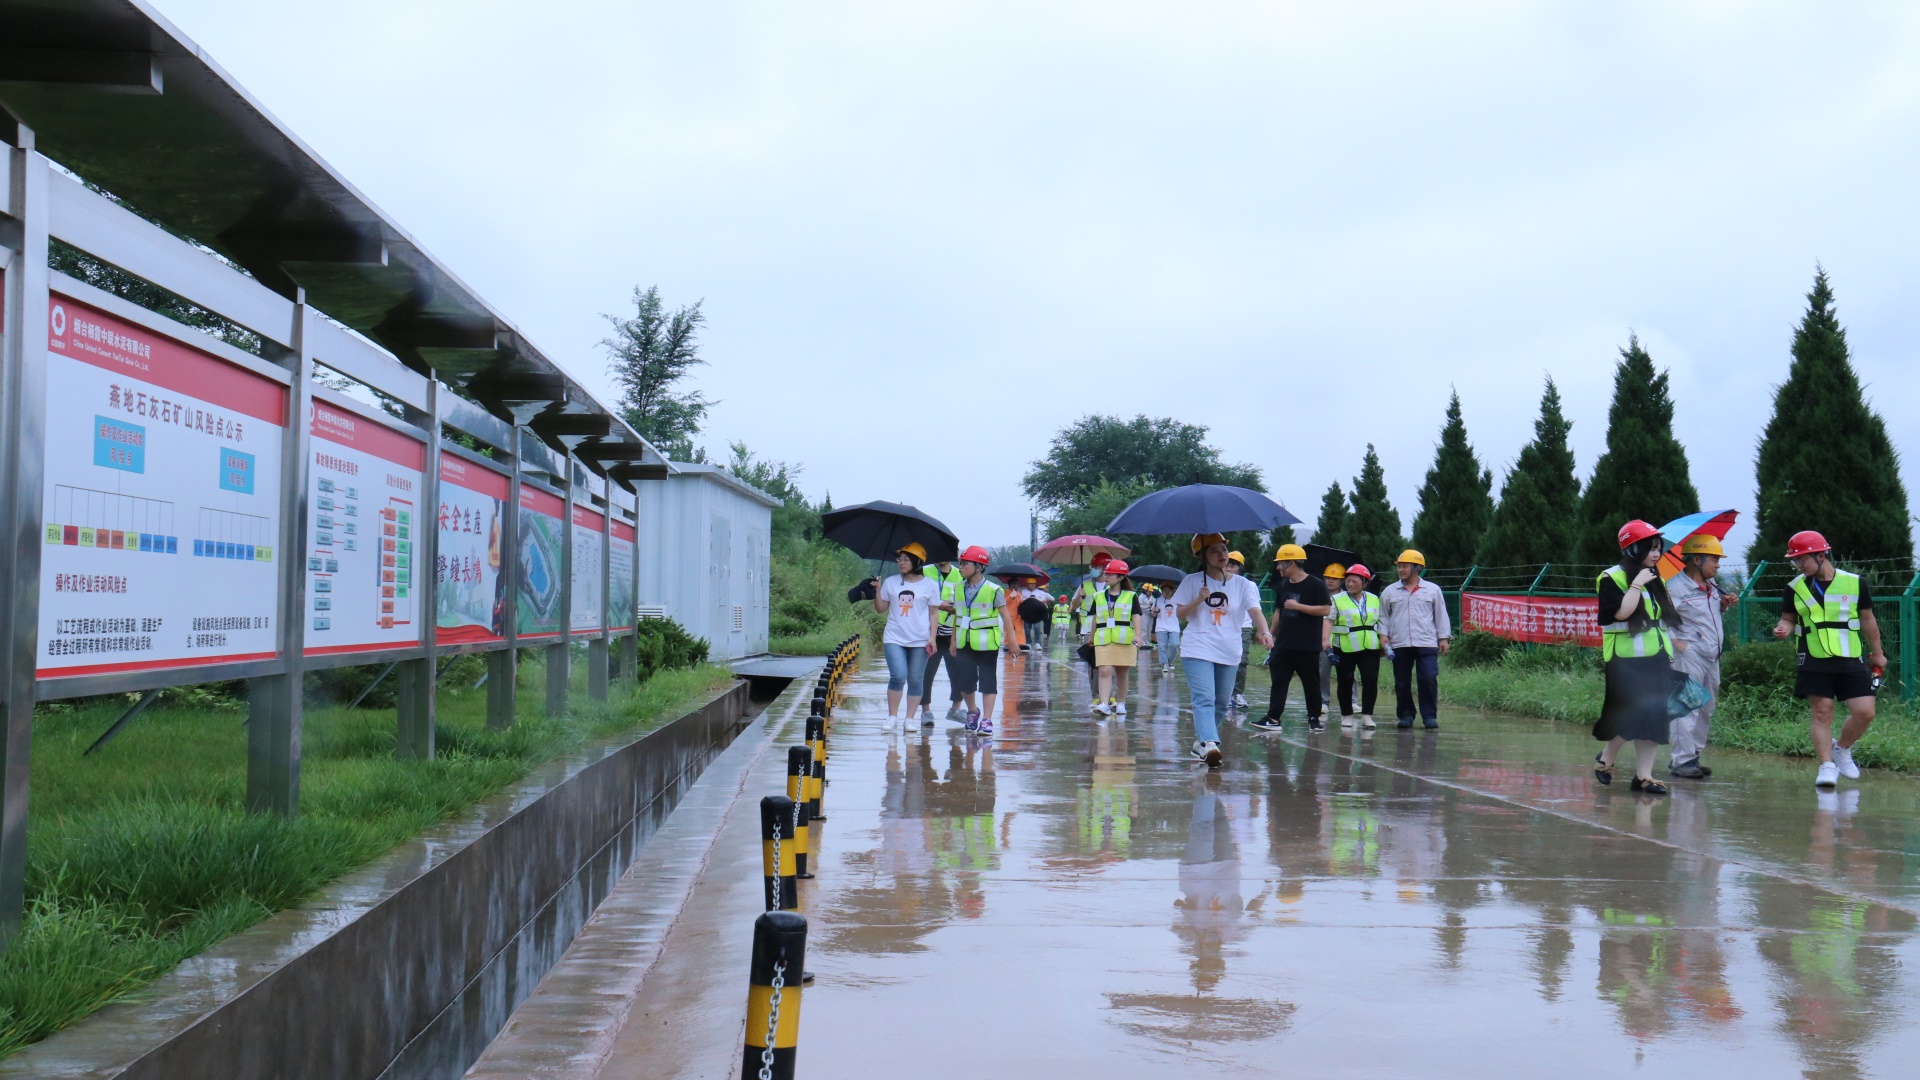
{"points": [[773, 995], [777, 850], [799, 776], [817, 776]]}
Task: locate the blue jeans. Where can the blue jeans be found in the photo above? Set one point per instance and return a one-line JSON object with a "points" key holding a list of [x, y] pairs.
{"points": [[906, 664], [1416, 664], [1208, 683], [1169, 645]]}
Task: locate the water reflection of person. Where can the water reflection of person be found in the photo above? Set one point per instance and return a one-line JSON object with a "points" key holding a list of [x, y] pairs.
{"points": [[1294, 818], [1835, 969], [1210, 906]]}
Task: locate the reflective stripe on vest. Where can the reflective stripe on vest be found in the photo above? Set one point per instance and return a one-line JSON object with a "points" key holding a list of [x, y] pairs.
{"points": [[949, 588], [1356, 622], [1617, 640], [1112, 620], [1088, 590], [1831, 626], [978, 626]]}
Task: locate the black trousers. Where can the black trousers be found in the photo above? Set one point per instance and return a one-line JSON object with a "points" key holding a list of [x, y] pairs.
{"points": [[942, 647], [1416, 667], [1367, 662], [1285, 664]]}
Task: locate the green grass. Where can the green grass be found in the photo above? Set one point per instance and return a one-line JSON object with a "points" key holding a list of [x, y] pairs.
{"points": [[141, 855], [1567, 685]]}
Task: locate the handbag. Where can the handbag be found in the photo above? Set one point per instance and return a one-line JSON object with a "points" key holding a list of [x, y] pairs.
{"points": [[1687, 696]]}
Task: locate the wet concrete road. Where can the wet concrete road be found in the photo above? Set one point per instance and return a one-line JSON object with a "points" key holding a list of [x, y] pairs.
{"points": [[1070, 896]]}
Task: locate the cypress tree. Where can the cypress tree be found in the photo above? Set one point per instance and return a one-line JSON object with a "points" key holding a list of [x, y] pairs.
{"points": [[1373, 532], [1643, 473], [1540, 501], [1456, 502], [1331, 528], [1825, 461]]}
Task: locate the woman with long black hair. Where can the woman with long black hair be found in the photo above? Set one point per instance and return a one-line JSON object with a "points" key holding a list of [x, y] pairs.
{"points": [[1635, 614]]}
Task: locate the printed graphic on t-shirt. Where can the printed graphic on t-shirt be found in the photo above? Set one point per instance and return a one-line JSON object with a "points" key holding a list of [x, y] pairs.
{"points": [[1217, 606], [906, 602]]}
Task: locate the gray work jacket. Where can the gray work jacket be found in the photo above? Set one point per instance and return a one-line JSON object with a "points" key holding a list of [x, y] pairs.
{"points": [[1416, 619], [1700, 624]]}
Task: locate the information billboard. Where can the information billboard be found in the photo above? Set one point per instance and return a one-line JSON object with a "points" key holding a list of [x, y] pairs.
{"points": [[363, 504], [587, 598], [621, 604], [161, 504], [541, 532], [472, 516]]}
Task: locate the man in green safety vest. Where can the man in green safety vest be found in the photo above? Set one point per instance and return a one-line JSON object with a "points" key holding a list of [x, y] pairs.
{"points": [[947, 576], [1829, 611], [978, 613]]}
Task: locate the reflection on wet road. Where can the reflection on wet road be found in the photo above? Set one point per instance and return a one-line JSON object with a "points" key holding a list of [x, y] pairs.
{"points": [[1073, 895]]}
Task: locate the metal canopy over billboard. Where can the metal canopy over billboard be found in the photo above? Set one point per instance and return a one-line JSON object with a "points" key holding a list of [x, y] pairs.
{"points": [[104, 84]]}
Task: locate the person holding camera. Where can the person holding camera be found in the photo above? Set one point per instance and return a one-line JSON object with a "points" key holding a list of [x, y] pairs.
{"points": [[1214, 603], [1635, 616]]}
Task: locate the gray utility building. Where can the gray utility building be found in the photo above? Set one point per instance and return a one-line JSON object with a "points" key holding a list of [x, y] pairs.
{"points": [[704, 556]]}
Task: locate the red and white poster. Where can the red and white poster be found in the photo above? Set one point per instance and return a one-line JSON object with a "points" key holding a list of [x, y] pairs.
{"points": [[363, 506], [1546, 620], [161, 503], [588, 598], [471, 516]]}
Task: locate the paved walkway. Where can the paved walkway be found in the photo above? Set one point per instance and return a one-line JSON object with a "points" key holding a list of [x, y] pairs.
{"points": [[1073, 896]]}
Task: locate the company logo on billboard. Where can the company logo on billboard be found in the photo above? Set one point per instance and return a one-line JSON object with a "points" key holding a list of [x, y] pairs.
{"points": [[57, 320]]}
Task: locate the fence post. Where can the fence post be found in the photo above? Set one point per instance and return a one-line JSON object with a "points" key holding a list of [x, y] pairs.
{"points": [[1910, 641], [1538, 578], [1744, 604]]}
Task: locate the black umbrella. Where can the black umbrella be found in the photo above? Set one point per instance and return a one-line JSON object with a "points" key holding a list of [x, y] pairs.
{"points": [[1201, 508], [877, 530], [1320, 555], [1020, 570], [1157, 572]]}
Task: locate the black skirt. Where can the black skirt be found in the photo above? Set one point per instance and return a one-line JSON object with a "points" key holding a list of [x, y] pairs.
{"points": [[1636, 705]]}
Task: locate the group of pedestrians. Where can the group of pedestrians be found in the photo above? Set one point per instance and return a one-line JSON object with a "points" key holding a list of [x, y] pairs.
{"points": [[956, 613]]}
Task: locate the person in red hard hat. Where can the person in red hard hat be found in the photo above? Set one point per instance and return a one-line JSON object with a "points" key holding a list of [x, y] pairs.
{"points": [[1355, 629], [1829, 612], [1635, 616], [977, 634], [1083, 620], [911, 604], [1115, 637]]}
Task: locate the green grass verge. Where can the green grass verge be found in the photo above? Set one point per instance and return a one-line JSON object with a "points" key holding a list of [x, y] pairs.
{"points": [[141, 855], [1764, 719]]}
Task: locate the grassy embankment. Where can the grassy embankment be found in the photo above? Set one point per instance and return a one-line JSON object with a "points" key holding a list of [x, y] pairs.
{"points": [[810, 611], [141, 856], [1757, 708]]}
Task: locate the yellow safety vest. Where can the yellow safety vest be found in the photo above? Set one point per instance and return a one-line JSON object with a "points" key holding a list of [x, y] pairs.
{"points": [[1112, 619], [1617, 640], [1088, 590], [949, 588], [1356, 622], [979, 622], [1061, 616], [1832, 626]]}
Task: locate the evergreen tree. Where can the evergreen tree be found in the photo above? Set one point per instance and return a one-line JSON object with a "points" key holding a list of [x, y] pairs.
{"points": [[648, 357], [1373, 532], [1540, 501], [1331, 528], [1825, 461], [1456, 502], [1643, 473]]}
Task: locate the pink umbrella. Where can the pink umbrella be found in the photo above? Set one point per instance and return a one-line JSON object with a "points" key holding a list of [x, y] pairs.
{"points": [[1078, 550]]}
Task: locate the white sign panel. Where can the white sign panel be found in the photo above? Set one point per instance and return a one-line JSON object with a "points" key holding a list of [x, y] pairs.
{"points": [[363, 510], [587, 597], [162, 501], [620, 578]]}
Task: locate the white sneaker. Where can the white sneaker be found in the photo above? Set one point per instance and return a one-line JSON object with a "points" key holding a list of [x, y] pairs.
{"points": [[1346, 721], [1100, 707], [1828, 776], [1239, 701], [1198, 751], [1212, 755], [1119, 708], [1843, 758], [1366, 721], [957, 713]]}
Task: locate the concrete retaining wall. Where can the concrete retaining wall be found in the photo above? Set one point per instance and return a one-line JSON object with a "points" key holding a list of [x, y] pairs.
{"points": [[408, 967]]}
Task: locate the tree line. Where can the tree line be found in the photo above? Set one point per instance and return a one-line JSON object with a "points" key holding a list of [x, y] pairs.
{"points": [[1825, 461]]}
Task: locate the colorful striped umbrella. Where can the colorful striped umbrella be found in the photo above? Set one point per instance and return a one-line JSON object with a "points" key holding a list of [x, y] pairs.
{"points": [[1714, 523]]}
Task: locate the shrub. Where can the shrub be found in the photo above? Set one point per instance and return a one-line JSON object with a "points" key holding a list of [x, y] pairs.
{"points": [[1477, 648], [1763, 665], [1528, 659], [664, 645]]}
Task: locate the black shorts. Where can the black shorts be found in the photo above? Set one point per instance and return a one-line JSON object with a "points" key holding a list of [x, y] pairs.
{"points": [[1844, 685], [976, 669]]}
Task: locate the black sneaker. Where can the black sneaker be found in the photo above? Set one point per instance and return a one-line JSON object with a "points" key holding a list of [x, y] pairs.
{"points": [[1314, 723], [1405, 725], [1268, 723], [1433, 725], [1687, 770]]}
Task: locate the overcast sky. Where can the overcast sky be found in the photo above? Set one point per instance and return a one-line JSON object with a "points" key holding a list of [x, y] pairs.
{"points": [[930, 235]]}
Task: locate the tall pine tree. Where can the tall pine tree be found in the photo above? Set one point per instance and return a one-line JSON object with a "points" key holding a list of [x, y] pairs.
{"points": [[1373, 532], [1825, 461], [1331, 528], [1536, 521], [1456, 502], [1643, 473]]}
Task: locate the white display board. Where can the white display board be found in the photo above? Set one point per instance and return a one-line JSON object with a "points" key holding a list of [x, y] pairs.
{"points": [[542, 529], [363, 507], [161, 501], [472, 516], [588, 598], [621, 603]]}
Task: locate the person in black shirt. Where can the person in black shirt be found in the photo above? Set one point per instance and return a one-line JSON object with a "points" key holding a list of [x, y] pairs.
{"points": [[1829, 613], [1301, 605], [1635, 615]]}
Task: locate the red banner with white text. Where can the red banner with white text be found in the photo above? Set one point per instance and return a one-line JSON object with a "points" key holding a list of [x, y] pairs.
{"points": [[1548, 620]]}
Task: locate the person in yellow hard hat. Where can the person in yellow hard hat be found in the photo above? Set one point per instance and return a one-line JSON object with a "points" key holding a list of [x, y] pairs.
{"points": [[1415, 628], [1213, 603], [1299, 629], [1335, 578], [911, 604], [1700, 636], [1237, 564]]}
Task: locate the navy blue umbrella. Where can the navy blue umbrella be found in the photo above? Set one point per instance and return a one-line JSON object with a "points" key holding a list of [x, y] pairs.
{"points": [[1201, 508]]}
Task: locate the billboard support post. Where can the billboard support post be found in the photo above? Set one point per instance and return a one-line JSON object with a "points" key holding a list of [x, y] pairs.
{"points": [[597, 647], [558, 671], [503, 667], [419, 679]]}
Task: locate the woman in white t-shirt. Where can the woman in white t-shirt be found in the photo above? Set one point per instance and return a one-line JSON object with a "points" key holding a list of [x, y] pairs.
{"points": [[912, 605], [1215, 603], [1166, 628]]}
